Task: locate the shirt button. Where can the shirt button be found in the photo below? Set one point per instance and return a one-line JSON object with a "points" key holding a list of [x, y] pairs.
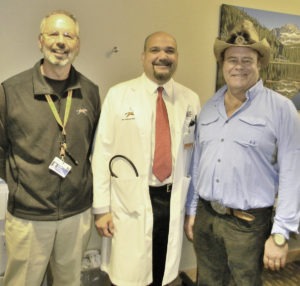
{"points": [[222, 139], [219, 160], [217, 180]]}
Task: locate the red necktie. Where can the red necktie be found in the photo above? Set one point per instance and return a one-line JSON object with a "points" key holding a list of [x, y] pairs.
{"points": [[162, 163]]}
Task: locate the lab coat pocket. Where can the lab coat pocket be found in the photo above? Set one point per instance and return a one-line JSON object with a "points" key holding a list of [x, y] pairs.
{"points": [[127, 194]]}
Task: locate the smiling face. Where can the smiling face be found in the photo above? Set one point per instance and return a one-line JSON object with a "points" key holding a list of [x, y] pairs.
{"points": [[160, 57], [59, 41], [241, 68]]}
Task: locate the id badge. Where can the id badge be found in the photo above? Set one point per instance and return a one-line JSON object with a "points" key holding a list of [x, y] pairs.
{"points": [[188, 140], [60, 167], [189, 135], [189, 129]]}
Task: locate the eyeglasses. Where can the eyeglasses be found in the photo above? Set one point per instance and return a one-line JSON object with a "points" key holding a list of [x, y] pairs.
{"points": [[55, 36]]}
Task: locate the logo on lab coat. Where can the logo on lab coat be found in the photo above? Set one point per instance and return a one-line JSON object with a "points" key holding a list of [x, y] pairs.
{"points": [[129, 115]]}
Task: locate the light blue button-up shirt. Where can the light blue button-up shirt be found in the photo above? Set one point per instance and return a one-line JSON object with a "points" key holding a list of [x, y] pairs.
{"points": [[245, 160]]}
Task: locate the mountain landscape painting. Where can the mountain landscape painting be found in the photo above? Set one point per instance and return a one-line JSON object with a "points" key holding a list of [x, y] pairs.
{"points": [[282, 31]]}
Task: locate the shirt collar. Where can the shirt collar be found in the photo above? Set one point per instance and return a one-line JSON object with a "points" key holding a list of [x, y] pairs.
{"points": [[41, 87], [253, 91], [151, 86]]}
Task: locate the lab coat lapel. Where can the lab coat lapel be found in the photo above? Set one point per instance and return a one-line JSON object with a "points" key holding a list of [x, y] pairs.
{"points": [[144, 115], [179, 117]]}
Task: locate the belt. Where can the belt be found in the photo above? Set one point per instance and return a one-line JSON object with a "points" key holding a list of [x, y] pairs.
{"points": [[222, 210], [165, 188]]}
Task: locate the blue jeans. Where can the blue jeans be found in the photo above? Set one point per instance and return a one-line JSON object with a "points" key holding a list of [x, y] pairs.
{"points": [[229, 250]]}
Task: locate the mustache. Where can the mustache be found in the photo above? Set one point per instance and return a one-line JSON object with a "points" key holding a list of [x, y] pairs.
{"points": [[162, 62]]}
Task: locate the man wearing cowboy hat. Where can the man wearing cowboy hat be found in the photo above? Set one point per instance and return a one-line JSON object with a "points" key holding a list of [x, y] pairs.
{"points": [[247, 153]]}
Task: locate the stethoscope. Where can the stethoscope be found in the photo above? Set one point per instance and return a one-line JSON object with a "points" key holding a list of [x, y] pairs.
{"points": [[126, 159]]}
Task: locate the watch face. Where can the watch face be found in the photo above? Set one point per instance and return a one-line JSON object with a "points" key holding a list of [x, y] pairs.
{"points": [[279, 239]]}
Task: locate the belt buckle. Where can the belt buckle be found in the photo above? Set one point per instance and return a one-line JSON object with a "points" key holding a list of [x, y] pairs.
{"points": [[218, 208], [169, 188], [244, 215]]}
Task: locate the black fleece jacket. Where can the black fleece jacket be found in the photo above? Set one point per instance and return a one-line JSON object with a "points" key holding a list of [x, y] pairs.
{"points": [[30, 139]]}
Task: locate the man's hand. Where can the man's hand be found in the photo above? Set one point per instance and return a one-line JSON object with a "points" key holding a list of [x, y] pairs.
{"points": [[104, 224], [275, 256], [188, 226]]}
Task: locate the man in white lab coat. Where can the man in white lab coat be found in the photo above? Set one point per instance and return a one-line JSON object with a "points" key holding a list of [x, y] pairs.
{"points": [[140, 216]]}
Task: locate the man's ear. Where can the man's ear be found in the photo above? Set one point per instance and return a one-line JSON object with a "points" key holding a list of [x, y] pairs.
{"points": [[78, 47], [40, 42], [259, 66], [259, 62]]}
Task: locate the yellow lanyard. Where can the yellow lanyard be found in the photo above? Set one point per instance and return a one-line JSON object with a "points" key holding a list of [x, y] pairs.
{"points": [[55, 113], [63, 124]]}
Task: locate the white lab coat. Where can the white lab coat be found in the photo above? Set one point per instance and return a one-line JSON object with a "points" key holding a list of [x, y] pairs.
{"points": [[125, 128]]}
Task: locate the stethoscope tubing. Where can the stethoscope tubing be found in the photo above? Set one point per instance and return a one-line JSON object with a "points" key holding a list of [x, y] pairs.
{"points": [[125, 158]]}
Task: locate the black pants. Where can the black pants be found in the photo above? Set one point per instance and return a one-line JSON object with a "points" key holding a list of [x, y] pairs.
{"points": [[160, 200], [229, 250]]}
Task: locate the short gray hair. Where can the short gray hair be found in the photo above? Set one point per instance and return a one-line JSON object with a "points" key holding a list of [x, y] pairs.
{"points": [[60, 12]]}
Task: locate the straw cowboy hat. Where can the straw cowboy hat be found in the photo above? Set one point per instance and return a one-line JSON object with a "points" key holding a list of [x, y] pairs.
{"points": [[243, 35]]}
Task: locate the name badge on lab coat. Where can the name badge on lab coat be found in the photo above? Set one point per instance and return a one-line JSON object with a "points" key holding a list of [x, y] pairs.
{"points": [[189, 129]]}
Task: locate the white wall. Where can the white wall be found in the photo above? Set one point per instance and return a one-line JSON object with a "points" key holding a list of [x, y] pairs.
{"points": [[125, 23]]}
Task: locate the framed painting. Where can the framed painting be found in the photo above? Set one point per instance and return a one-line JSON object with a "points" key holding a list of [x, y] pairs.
{"points": [[283, 34]]}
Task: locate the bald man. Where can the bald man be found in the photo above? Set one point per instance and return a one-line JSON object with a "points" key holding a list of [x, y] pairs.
{"points": [[139, 212]]}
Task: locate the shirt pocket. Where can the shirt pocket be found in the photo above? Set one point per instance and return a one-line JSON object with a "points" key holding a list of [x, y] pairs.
{"points": [[207, 132], [250, 132]]}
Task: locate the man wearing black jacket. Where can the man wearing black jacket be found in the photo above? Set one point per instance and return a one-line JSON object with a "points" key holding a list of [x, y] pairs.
{"points": [[48, 116]]}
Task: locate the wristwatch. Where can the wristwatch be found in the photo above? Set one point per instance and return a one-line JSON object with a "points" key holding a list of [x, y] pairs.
{"points": [[279, 239]]}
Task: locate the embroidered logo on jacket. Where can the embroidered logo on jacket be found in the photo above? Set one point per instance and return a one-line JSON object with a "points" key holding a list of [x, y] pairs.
{"points": [[129, 115], [81, 111]]}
